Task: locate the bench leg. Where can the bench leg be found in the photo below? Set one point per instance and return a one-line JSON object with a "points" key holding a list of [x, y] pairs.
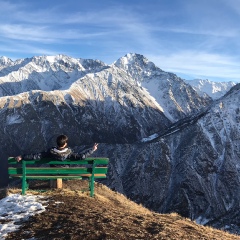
{"points": [[25, 186], [59, 183], [24, 179], [91, 186], [56, 183]]}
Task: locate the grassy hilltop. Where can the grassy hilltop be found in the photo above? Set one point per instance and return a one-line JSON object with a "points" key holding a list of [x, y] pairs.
{"points": [[109, 215]]}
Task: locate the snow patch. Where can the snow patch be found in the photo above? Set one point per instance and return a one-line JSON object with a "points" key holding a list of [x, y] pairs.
{"points": [[202, 220], [149, 138], [16, 209], [51, 59], [13, 119]]}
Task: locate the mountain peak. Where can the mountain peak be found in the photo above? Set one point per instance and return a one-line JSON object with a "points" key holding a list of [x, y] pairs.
{"points": [[55, 58], [132, 59], [137, 64], [5, 60], [135, 57]]}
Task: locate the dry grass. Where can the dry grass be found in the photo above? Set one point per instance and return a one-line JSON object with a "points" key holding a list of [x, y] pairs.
{"points": [[109, 215]]}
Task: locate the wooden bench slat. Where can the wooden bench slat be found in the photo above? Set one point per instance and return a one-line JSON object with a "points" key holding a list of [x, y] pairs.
{"points": [[58, 176], [45, 177], [54, 170]]}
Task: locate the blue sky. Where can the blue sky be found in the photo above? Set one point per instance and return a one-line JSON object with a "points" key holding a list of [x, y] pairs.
{"points": [[192, 38]]}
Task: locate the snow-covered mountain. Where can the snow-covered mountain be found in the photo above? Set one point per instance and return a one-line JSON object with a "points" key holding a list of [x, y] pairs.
{"points": [[172, 93], [44, 96], [4, 61], [190, 163], [45, 73], [213, 89], [48, 73], [90, 101]]}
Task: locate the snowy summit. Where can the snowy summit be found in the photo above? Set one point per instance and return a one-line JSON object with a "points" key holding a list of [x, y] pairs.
{"points": [[213, 89]]}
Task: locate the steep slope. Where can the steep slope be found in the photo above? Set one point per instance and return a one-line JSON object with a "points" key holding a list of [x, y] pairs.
{"points": [[213, 89], [192, 170], [71, 214], [177, 98]]}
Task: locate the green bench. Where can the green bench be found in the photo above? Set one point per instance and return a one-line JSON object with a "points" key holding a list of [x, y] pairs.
{"points": [[89, 168]]}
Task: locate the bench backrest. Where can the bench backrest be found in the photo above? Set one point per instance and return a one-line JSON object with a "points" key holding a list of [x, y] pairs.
{"points": [[97, 161], [86, 166]]}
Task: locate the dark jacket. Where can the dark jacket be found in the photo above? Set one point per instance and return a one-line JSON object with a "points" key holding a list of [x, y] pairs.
{"points": [[60, 155]]}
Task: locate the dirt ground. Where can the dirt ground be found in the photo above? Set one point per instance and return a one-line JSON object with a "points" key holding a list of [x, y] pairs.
{"points": [[73, 214]]}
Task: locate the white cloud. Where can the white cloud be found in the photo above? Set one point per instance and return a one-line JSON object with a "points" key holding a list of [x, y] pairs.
{"points": [[205, 31], [13, 49], [43, 34], [23, 32], [199, 64]]}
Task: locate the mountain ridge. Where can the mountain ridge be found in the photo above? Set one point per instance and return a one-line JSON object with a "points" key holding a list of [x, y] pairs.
{"points": [[213, 89], [59, 72]]}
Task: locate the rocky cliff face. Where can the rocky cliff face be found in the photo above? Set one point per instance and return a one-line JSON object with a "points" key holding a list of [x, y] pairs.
{"points": [[192, 170]]}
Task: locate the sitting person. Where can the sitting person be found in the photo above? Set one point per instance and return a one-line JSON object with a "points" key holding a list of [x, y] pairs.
{"points": [[59, 153]]}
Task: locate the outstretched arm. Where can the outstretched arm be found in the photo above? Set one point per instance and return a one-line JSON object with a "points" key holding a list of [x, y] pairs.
{"points": [[84, 154], [35, 156]]}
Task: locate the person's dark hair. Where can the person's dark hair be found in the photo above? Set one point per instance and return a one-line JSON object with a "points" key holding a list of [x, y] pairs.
{"points": [[61, 140]]}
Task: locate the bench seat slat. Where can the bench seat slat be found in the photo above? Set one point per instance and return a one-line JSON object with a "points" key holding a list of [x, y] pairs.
{"points": [[59, 176], [53, 170], [46, 177]]}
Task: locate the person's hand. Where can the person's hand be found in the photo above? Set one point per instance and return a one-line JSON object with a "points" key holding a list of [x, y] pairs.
{"points": [[18, 158], [95, 146]]}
